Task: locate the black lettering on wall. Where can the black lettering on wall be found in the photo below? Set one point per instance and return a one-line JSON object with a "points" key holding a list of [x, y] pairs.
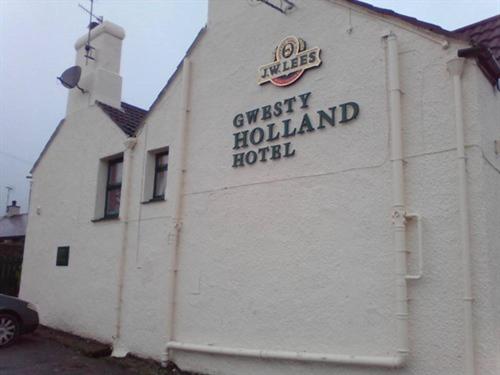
{"points": [[252, 115], [240, 139], [349, 111], [324, 116]]}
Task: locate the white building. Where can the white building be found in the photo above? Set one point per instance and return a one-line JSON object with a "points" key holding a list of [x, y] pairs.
{"points": [[342, 219]]}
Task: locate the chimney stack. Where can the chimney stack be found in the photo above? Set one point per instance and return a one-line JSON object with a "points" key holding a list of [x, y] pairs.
{"points": [[13, 209], [100, 77]]}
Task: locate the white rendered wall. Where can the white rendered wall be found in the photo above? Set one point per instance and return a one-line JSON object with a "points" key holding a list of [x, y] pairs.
{"points": [[487, 271], [151, 233], [79, 298], [297, 254], [294, 254]]}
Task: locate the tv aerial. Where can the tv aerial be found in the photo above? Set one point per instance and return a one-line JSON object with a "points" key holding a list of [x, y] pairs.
{"points": [[98, 20], [71, 77]]}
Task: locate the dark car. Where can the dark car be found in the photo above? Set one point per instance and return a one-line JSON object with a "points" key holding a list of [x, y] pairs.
{"points": [[16, 318]]}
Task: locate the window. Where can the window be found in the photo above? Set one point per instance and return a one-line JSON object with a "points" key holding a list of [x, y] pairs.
{"points": [[113, 188], [155, 175], [160, 181], [62, 256]]}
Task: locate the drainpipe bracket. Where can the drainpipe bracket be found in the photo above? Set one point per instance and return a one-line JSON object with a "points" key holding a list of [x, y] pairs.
{"points": [[456, 66], [398, 216], [130, 143], [387, 33]]}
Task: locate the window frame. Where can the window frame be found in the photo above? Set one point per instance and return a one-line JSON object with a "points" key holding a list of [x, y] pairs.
{"points": [[112, 186], [158, 168]]}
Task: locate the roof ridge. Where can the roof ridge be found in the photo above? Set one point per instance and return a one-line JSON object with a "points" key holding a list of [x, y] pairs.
{"points": [[122, 103], [486, 20], [134, 106], [428, 26], [99, 103], [162, 92]]}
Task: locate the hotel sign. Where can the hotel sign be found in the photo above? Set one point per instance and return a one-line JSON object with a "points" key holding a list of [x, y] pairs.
{"points": [[266, 133], [291, 60]]}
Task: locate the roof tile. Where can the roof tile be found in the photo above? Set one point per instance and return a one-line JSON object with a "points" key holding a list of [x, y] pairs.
{"points": [[484, 33], [128, 118]]}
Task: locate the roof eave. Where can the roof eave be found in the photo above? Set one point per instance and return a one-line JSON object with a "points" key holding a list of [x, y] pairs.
{"points": [[172, 77], [46, 147]]}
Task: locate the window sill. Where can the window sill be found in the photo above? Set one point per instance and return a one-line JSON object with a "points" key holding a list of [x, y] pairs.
{"points": [[105, 218], [154, 200]]}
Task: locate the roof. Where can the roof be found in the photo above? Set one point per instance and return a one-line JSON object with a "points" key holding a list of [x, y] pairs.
{"points": [[13, 226], [128, 118], [177, 70], [485, 38], [484, 34], [45, 148], [411, 20]]}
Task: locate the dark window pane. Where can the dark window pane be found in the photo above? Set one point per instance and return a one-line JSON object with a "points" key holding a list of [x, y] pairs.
{"points": [[115, 173], [160, 184], [113, 187], [62, 256], [161, 160], [113, 202]]}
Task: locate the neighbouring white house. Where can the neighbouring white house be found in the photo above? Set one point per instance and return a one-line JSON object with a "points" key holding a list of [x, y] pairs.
{"points": [[316, 190], [12, 233]]}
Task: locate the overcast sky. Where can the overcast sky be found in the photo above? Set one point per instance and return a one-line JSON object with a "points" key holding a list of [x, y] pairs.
{"points": [[36, 44]]}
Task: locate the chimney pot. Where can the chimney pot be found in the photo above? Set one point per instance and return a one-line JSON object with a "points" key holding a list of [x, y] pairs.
{"points": [[13, 209]]}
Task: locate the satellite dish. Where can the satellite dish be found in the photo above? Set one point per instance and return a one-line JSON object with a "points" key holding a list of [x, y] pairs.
{"points": [[71, 77]]}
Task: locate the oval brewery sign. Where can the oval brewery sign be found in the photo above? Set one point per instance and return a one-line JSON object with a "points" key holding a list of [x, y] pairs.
{"points": [[290, 61]]}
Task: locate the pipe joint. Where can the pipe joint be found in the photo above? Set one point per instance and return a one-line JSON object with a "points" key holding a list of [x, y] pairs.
{"points": [[389, 35], [130, 143], [456, 66], [399, 217]]}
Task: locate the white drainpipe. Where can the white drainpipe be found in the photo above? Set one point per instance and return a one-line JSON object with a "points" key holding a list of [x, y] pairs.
{"points": [[118, 349], [455, 68], [179, 203], [399, 227], [341, 359], [398, 203]]}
